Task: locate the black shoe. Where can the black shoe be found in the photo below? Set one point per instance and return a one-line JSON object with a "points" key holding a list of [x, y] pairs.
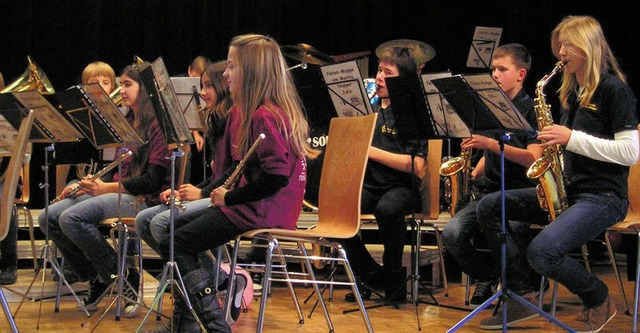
{"points": [[130, 293], [236, 300], [97, 291], [8, 276], [396, 286], [483, 291], [365, 294]]}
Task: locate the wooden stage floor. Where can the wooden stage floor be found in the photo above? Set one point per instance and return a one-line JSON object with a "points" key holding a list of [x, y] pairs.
{"points": [[281, 317]]}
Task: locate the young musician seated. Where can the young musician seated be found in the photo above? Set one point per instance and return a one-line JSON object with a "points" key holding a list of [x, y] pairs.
{"points": [[72, 222]]}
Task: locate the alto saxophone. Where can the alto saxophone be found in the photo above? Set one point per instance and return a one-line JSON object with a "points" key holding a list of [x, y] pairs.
{"points": [[457, 185], [548, 168], [99, 174]]}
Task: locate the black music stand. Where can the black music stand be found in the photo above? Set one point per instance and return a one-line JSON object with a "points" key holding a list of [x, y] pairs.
{"points": [[188, 93], [174, 126], [13, 143], [49, 127], [103, 124], [486, 109]]}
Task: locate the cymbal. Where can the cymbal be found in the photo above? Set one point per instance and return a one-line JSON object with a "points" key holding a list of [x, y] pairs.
{"points": [[421, 51], [306, 53]]}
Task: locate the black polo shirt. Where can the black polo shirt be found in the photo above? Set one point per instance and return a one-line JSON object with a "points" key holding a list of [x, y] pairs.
{"points": [[612, 110]]}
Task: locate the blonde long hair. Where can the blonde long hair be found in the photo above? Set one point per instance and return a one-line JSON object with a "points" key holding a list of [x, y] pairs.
{"points": [[266, 81], [585, 33]]}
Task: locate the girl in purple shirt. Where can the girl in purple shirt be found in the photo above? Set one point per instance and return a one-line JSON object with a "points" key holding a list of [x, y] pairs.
{"points": [[270, 192]]}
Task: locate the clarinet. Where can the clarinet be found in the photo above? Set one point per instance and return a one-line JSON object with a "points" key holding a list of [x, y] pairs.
{"points": [[76, 187]]}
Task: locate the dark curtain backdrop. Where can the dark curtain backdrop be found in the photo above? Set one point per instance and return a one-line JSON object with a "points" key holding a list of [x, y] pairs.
{"points": [[64, 36]]}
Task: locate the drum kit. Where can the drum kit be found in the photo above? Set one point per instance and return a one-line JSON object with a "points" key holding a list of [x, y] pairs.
{"points": [[307, 55]]}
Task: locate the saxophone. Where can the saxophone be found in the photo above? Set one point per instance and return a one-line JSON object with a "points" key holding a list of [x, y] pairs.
{"points": [[548, 168], [457, 185]]}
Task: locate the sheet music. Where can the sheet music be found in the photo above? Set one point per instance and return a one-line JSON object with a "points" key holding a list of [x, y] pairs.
{"points": [[346, 88], [497, 101], [449, 124], [168, 111], [187, 91], [49, 122], [485, 40], [112, 114]]}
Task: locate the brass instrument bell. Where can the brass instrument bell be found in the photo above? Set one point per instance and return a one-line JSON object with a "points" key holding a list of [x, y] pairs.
{"points": [[33, 78]]}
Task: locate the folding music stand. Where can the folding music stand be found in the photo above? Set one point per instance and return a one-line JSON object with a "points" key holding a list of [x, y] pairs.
{"points": [[486, 109], [174, 126], [188, 93], [50, 127], [14, 143]]}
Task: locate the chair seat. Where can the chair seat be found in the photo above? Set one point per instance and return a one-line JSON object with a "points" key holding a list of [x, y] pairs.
{"points": [[128, 221], [318, 232], [625, 226]]}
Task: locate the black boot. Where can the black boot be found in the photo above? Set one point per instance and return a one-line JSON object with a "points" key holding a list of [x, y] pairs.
{"points": [[202, 295], [183, 320], [396, 289]]}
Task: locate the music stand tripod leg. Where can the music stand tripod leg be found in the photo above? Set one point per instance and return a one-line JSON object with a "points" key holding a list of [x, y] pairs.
{"points": [[47, 253], [171, 274]]}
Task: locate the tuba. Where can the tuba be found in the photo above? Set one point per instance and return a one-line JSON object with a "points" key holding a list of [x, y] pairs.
{"points": [[548, 168], [33, 78], [457, 185]]}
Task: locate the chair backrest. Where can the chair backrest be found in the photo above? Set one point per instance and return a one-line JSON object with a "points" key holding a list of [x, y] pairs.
{"points": [[13, 174], [342, 177], [24, 175], [183, 165], [634, 192], [430, 175]]}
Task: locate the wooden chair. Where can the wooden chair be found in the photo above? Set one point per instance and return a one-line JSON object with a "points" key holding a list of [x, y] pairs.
{"points": [[22, 209], [630, 225], [339, 197], [9, 193]]}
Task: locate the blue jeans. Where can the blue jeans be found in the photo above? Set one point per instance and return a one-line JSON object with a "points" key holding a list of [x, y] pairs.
{"points": [[520, 205], [458, 237], [72, 226], [587, 217], [152, 224]]}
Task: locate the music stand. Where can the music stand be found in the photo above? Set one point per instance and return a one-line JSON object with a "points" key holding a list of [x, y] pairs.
{"points": [[188, 93], [486, 109], [50, 127], [174, 126], [13, 143]]}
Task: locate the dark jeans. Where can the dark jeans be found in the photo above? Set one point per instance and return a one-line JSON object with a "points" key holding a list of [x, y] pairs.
{"points": [[459, 237], [520, 205], [389, 208], [195, 234], [588, 216]]}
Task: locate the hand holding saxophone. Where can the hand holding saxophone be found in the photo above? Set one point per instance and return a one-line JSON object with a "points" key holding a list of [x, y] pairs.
{"points": [[554, 135], [479, 142]]}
